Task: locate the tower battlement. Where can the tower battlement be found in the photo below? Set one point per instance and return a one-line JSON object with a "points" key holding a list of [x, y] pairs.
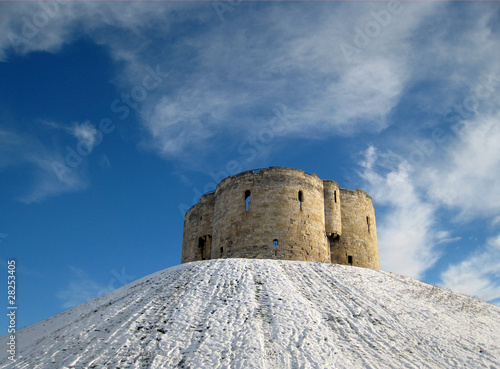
{"points": [[282, 213]]}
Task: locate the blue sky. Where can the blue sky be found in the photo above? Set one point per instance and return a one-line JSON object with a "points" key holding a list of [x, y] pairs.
{"points": [[116, 116]]}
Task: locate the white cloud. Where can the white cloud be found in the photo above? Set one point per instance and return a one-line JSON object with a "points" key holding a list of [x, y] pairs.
{"points": [[50, 173], [477, 275], [445, 237], [406, 234], [227, 79], [240, 75], [47, 183], [177, 126], [468, 179], [48, 25], [17, 150], [496, 221], [86, 133]]}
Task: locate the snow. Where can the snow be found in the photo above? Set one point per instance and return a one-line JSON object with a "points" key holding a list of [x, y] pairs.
{"points": [[242, 313]]}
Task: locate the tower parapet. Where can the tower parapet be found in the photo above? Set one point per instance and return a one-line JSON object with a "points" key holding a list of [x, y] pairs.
{"points": [[282, 213]]}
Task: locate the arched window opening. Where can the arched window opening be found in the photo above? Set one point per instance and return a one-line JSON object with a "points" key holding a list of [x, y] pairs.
{"points": [[247, 199], [276, 244], [301, 199], [368, 223], [349, 259]]}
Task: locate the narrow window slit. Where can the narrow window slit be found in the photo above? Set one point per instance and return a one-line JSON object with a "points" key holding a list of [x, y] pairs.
{"points": [[247, 199]]}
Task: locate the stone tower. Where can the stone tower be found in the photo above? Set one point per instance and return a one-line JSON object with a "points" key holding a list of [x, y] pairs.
{"points": [[282, 213]]}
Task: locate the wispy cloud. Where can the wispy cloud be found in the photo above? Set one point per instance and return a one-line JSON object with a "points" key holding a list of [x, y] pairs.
{"points": [[231, 78], [496, 221], [477, 275], [445, 237], [18, 150], [85, 132], [81, 288], [227, 80], [468, 179], [238, 77], [406, 228]]}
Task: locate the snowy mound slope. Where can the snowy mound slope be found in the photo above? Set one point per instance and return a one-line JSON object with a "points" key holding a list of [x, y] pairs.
{"points": [[240, 313]]}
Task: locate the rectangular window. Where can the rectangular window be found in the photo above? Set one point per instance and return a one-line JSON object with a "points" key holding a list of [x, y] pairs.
{"points": [[248, 197], [201, 247]]}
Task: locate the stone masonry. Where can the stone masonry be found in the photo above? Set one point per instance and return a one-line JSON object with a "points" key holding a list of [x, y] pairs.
{"points": [[282, 213]]}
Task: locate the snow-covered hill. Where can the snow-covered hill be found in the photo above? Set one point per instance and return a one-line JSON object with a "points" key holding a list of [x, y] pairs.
{"points": [[240, 313]]}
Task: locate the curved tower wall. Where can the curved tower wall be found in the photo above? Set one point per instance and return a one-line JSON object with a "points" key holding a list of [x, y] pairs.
{"points": [[333, 223], [358, 244], [282, 213], [198, 226], [285, 207]]}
